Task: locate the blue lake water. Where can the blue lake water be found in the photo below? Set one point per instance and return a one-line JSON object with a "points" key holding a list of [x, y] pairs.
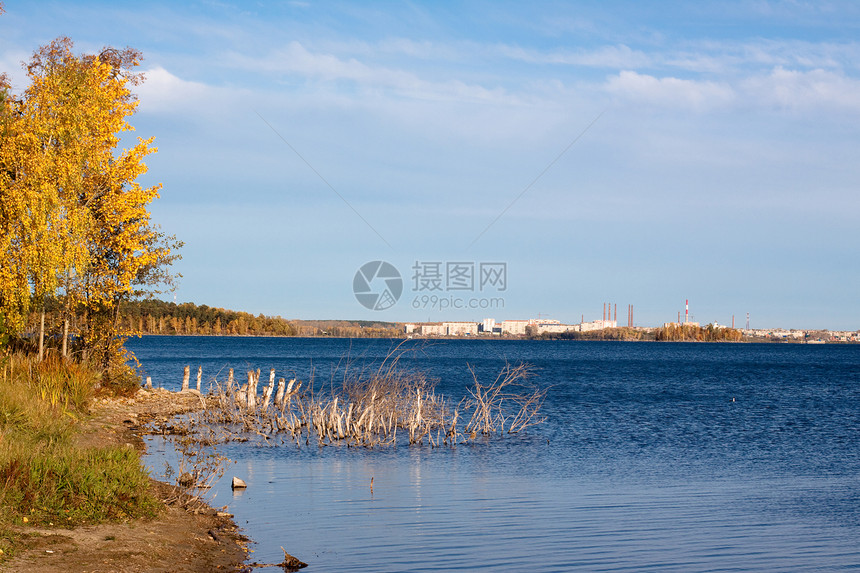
{"points": [[670, 457]]}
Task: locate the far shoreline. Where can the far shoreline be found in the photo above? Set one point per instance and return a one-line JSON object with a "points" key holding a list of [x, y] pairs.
{"points": [[746, 340]]}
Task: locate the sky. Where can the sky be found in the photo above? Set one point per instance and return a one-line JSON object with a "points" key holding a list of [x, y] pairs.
{"points": [[508, 160]]}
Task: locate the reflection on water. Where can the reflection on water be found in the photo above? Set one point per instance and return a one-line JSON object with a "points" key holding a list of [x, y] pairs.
{"points": [[646, 463]]}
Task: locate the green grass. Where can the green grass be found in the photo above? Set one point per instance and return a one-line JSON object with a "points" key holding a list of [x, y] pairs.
{"points": [[64, 486], [45, 479]]}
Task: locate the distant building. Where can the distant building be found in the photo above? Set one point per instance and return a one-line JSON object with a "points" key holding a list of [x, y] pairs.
{"points": [[460, 328], [514, 327], [432, 329], [597, 325], [488, 325], [783, 333], [678, 324], [775, 333], [442, 328], [555, 327]]}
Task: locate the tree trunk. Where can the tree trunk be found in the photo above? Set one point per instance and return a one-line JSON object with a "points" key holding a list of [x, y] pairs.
{"points": [[65, 336], [42, 337]]}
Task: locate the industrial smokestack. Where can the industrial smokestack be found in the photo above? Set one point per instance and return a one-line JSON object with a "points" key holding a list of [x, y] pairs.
{"points": [[615, 313], [686, 311]]}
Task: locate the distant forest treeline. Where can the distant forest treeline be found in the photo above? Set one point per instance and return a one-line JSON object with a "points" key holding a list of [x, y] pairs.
{"points": [[688, 332], [159, 317], [676, 333], [620, 333]]}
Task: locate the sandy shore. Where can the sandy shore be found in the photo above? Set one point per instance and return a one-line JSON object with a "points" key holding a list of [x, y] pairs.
{"points": [[177, 540]]}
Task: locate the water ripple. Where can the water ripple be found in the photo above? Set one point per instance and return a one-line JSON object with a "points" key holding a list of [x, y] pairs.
{"points": [[656, 457]]}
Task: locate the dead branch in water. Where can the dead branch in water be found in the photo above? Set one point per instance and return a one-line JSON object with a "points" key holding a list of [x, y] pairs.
{"points": [[369, 406]]}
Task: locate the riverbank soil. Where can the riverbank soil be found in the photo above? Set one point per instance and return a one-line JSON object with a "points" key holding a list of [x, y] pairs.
{"points": [[177, 540]]}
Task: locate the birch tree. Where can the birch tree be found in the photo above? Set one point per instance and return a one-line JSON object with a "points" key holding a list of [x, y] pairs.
{"points": [[74, 220]]}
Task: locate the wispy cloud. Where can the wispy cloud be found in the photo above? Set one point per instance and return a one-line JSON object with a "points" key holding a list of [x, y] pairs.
{"points": [[669, 91], [163, 91], [795, 89], [731, 58], [296, 60], [617, 56], [779, 88], [10, 63]]}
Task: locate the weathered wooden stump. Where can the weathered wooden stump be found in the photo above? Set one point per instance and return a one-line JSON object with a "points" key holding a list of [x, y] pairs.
{"points": [[279, 397], [186, 376], [251, 405]]}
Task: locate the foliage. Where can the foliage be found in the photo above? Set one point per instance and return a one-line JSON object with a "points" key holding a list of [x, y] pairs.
{"points": [[618, 333], [159, 317], [689, 332], [74, 222]]}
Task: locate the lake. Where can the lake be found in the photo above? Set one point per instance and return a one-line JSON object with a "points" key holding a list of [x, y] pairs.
{"points": [[662, 456]]}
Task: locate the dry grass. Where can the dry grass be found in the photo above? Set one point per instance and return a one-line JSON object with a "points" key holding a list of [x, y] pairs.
{"points": [[384, 406]]}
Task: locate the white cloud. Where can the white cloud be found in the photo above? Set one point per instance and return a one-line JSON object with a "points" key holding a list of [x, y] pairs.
{"points": [[795, 89], [779, 88], [163, 91], [670, 91], [10, 64], [618, 57], [734, 58], [297, 60]]}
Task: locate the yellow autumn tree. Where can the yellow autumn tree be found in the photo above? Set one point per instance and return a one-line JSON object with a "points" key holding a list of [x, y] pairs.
{"points": [[74, 220]]}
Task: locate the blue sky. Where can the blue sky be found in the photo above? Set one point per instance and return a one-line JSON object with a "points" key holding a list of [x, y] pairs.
{"points": [[713, 157]]}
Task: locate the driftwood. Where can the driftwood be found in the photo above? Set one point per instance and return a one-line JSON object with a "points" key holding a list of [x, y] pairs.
{"points": [[289, 563]]}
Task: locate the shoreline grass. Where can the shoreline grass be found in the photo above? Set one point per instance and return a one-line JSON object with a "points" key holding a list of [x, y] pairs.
{"points": [[46, 478]]}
